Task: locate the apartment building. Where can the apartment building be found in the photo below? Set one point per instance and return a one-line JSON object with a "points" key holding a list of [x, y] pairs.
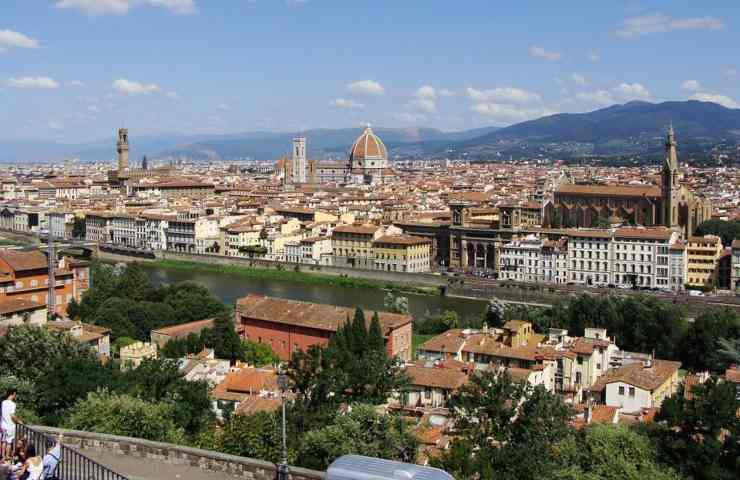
{"points": [[207, 235], [123, 229], [98, 227], [24, 275], [310, 250], [562, 364], [679, 264], [703, 261], [636, 386], [735, 266], [533, 259], [352, 245], [402, 253], [60, 224], [589, 259], [641, 257], [240, 237]]}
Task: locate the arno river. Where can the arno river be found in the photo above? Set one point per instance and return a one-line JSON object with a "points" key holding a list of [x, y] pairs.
{"points": [[229, 287]]}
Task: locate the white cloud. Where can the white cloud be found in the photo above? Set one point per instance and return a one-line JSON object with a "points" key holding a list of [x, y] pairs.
{"points": [[691, 85], [593, 56], [537, 51], [96, 7], [74, 83], [408, 117], [346, 103], [11, 39], [508, 113], [182, 7], [446, 93], [723, 100], [122, 7], [426, 105], [224, 106], [54, 125], [579, 79], [658, 23], [504, 94], [426, 92], [366, 87], [631, 91], [32, 82], [599, 97], [135, 88]]}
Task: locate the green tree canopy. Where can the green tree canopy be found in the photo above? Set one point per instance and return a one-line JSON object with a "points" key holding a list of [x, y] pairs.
{"points": [[506, 430], [125, 415], [361, 431], [727, 230], [701, 435], [701, 347]]}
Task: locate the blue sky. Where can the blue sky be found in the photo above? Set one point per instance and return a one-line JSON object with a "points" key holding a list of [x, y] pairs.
{"points": [[75, 70]]}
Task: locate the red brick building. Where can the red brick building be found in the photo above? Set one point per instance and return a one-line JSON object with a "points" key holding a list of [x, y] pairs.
{"points": [[24, 275], [290, 325]]}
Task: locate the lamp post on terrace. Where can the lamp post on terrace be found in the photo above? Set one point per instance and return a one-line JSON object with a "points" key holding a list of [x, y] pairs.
{"points": [[283, 470]]}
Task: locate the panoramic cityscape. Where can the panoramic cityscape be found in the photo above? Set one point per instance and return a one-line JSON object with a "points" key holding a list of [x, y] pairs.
{"points": [[318, 239]]}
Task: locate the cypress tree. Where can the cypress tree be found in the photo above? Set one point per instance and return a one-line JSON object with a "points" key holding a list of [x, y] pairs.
{"points": [[375, 335], [359, 332]]}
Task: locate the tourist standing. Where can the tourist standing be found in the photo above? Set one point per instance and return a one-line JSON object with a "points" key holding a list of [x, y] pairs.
{"points": [[8, 422]]}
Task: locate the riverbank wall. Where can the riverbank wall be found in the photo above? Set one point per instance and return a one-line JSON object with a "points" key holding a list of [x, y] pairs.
{"points": [[411, 280]]}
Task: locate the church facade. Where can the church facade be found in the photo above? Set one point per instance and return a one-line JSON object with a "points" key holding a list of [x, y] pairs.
{"points": [[670, 204]]}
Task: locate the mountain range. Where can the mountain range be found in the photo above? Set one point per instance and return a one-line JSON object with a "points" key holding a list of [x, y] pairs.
{"points": [[635, 128]]}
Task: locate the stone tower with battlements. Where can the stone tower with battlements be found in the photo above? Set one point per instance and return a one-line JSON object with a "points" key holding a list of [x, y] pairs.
{"points": [[122, 148]]}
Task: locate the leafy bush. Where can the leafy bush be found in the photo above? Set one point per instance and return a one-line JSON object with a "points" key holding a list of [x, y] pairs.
{"points": [[120, 414]]}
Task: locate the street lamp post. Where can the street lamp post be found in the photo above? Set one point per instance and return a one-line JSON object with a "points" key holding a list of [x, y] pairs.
{"points": [[283, 470]]}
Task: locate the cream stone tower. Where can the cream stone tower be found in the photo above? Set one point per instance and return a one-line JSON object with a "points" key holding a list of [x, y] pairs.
{"points": [[122, 150]]}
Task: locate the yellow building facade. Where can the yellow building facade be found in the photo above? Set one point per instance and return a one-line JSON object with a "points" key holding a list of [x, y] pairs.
{"points": [[703, 260]]}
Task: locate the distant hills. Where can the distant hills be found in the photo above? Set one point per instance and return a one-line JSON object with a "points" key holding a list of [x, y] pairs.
{"points": [[632, 129]]}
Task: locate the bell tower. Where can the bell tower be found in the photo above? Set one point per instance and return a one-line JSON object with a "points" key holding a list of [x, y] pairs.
{"points": [[670, 181], [122, 148]]}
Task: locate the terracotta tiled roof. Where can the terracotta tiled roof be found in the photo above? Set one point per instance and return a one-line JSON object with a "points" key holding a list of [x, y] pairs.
{"points": [[20, 261], [586, 346], [659, 233], [436, 376], [402, 240], [611, 190], [312, 315], [646, 378], [185, 328], [357, 229], [603, 414], [14, 305], [368, 145], [252, 405], [251, 380], [450, 341]]}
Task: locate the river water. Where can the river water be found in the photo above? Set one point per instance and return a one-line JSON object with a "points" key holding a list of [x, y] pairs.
{"points": [[229, 287]]}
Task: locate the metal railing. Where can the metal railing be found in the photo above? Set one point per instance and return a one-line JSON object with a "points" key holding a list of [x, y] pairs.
{"points": [[72, 465]]}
